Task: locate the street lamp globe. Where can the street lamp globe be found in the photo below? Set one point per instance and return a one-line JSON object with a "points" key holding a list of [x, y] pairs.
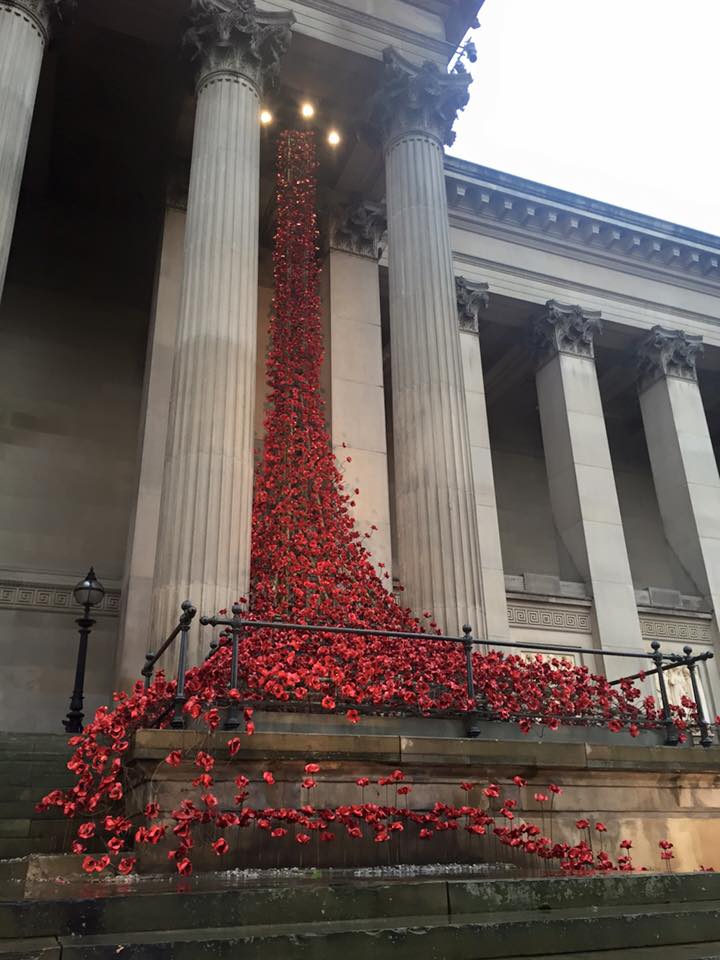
{"points": [[89, 592]]}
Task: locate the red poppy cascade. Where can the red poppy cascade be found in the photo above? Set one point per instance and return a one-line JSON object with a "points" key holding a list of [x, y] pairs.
{"points": [[311, 565]]}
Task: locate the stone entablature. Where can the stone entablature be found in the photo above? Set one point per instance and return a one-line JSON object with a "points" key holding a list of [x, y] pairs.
{"points": [[522, 211]]}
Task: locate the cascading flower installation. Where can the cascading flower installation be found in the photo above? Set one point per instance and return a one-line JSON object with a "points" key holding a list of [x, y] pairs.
{"points": [[311, 565]]}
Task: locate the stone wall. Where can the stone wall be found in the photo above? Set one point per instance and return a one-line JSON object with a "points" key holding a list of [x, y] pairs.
{"points": [[73, 324], [645, 794]]}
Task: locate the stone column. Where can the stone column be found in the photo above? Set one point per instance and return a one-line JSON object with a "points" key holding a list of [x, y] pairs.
{"points": [[204, 535], [135, 639], [24, 27], [356, 364], [580, 473], [683, 463], [472, 299], [437, 541]]}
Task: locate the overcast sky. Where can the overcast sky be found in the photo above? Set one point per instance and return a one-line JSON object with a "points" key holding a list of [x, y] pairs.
{"points": [[613, 99]]}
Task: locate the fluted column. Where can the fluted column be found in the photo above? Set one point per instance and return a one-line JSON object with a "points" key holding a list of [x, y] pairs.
{"points": [[24, 26], [682, 459], [438, 553], [472, 300], [580, 472], [204, 535]]}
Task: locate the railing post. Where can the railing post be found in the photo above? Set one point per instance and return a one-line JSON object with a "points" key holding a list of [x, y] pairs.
{"points": [[706, 739], [232, 721], [672, 736], [473, 728], [178, 720], [147, 671]]}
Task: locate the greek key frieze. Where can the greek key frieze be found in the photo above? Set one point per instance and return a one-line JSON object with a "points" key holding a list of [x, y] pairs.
{"points": [[52, 599], [549, 618]]}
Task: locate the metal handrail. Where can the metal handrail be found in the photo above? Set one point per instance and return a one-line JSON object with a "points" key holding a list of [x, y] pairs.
{"points": [[238, 623]]}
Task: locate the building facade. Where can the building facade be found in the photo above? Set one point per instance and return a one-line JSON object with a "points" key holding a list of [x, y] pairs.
{"points": [[523, 384]]}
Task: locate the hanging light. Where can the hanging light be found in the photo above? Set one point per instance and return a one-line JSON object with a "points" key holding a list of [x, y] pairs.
{"points": [[265, 117], [307, 110], [334, 138]]}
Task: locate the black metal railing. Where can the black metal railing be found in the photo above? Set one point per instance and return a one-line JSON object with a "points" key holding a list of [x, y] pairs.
{"points": [[183, 626], [659, 663]]}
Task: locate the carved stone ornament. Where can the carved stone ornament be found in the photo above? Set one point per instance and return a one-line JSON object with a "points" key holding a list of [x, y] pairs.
{"points": [[42, 12], [412, 98], [233, 36], [668, 353], [472, 299], [361, 228], [563, 328]]}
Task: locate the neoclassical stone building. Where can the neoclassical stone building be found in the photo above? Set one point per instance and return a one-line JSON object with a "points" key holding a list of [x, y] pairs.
{"points": [[528, 381]]}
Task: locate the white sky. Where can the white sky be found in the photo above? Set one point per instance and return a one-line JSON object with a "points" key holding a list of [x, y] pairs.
{"points": [[613, 99]]}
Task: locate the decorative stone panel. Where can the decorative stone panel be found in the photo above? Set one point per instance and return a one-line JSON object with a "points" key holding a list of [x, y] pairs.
{"points": [[550, 617], [676, 629], [51, 598]]}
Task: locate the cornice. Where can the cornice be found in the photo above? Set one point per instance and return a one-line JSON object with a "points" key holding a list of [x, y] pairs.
{"points": [[443, 48], [585, 229]]}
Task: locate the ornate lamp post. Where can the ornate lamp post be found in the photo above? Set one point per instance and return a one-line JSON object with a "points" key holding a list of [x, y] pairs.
{"points": [[88, 593]]}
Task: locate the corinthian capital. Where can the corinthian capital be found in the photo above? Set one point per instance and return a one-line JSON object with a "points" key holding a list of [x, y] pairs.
{"points": [[667, 353], [563, 328], [417, 99], [472, 299], [233, 36], [359, 228], [40, 13]]}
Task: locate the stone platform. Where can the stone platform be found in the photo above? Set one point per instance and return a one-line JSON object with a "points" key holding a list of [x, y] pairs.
{"points": [[643, 793]]}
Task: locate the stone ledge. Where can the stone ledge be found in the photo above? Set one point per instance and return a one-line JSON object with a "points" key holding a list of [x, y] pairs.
{"points": [[151, 745]]}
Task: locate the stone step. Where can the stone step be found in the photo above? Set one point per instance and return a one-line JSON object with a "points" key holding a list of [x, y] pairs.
{"points": [[36, 773], [35, 949], [20, 809], [496, 936], [34, 741], [31, 793], [691, 951], [155, 904], [11, 847]]}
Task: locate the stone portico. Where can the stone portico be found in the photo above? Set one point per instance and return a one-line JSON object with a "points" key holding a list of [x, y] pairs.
{"points": [[527, 382]]}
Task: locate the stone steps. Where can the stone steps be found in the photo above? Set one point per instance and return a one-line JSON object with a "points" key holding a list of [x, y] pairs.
{"points": [[499, 936], [436, 919], [30, 766]]}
